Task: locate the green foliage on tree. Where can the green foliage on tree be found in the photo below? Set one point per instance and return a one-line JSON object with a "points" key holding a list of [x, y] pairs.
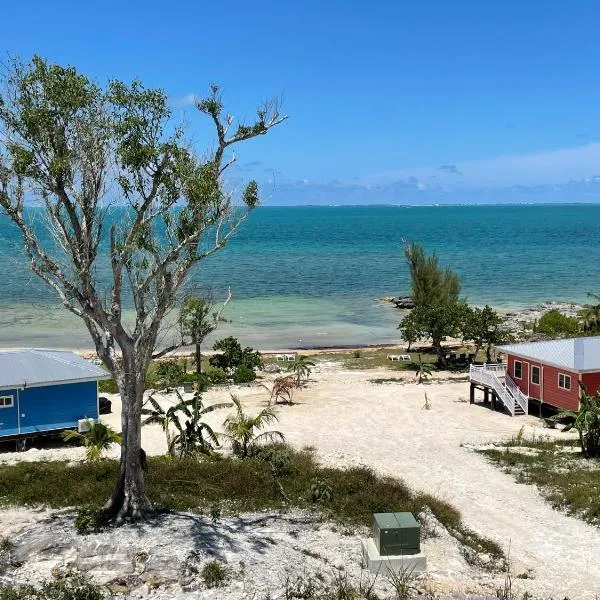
{"points": [[198, 318], [484, 327], [232, 356], [554, 324], [436, 322], [168, 375], [72, 147], [243, 430], [438, 311], [586, 421], [590, 315], [97, 439], [430, 284]]}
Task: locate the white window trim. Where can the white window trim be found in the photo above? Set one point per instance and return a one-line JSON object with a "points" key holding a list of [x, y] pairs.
{"points": [[515, 369], [539, 375], [568, 389], [12, 401]]}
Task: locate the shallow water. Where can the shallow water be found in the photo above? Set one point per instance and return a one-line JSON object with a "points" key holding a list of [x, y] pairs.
{"points": [[311, 276]]}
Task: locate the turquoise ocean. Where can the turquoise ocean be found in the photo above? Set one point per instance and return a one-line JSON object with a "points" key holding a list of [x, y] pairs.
{"points": [[313, 276]]}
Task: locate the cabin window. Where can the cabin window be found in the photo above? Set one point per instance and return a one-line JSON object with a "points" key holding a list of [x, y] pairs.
{"points": [[535, 375], [6, 401], [564, 381], [518, 369]]}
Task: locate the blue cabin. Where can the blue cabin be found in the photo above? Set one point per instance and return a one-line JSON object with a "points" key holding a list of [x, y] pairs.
{"points": [[44, 391]]}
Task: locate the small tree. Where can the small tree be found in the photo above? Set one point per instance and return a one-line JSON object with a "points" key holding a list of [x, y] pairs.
{"points": [[484, 327], [242, 429], [198, 318], [435, 290], [430, 283], [301, 367], [437, 323], [157, 415], [168, 375], [554, 324], [97, 439], [70, 146], [232, 355]]}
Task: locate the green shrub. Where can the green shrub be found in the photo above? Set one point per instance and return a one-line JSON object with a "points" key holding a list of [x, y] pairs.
{"points": [[243, 374], [201, 380], [215, 574], [216, 376], [108, 386], [555, 324], [168, 375], [90, 521], [71, 586]]}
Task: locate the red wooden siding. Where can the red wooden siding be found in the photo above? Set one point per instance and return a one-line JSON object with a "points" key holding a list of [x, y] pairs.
{"points": [[591, 382], [548, 391], [535, 391]]}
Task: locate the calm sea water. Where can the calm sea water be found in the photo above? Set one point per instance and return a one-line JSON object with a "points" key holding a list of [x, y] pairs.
{"points": [[305, 276]]}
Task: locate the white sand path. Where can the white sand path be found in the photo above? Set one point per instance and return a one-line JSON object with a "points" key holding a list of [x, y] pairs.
{"points": [[352, 421]]}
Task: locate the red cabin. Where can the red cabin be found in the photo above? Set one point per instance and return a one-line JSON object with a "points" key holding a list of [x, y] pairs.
{"points": [[548, 372]]}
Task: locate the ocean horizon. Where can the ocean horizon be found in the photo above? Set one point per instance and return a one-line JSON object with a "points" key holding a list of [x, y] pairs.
{"points": [[307, 276]]}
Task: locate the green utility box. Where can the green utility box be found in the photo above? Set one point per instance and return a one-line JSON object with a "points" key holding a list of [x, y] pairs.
{"points": [[396, 534]]}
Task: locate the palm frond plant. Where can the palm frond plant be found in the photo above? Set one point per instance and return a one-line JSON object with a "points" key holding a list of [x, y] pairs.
{"points": [[586, 421], [97, 439], [590, 314], [187, 437], [157, 415], [242, 430], [302, 368], [195, 436], [282, 390]]}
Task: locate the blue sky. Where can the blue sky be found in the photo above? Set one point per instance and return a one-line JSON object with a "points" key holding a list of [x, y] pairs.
{"points": [[389, 101]]}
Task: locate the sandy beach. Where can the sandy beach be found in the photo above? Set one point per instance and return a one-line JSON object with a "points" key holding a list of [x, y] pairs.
{"points": [[351, 421]]}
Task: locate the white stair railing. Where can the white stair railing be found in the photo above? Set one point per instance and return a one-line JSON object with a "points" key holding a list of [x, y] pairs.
{"points": [[508, 391]]}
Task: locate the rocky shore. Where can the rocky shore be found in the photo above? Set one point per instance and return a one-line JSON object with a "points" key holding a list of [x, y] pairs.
{"points": [[518, 323]]}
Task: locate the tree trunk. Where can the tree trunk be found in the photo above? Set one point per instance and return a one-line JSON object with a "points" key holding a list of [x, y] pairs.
{"points": [[198, 359], [441, 357], [129, 499]]}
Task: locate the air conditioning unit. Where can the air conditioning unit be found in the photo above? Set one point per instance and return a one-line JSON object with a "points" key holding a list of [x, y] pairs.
{"points": [[83, 425]]}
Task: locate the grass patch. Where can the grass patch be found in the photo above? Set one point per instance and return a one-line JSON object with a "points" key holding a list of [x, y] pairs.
{"points": [[567, 481], [352, 495]]}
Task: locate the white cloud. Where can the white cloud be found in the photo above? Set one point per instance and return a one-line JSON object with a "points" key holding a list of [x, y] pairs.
{"points": [[187, 100], [551, 167]]}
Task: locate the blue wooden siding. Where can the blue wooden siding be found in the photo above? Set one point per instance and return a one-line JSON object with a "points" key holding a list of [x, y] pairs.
{"points": [[9, 418], [55, 407]]}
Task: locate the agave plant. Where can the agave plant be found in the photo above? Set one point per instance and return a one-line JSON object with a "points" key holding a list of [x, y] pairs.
{"points": [[96, 439], [302, 368], [242, 429]]}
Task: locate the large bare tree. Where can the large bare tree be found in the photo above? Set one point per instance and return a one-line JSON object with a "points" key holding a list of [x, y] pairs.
{"points": [[124, 192]]}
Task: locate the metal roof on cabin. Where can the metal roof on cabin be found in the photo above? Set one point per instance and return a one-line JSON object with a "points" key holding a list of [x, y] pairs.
{"points": [[36, 367], [577, 354]]}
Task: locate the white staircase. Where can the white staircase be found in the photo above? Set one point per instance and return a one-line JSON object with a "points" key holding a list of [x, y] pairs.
{"points": [[494, 377]]}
